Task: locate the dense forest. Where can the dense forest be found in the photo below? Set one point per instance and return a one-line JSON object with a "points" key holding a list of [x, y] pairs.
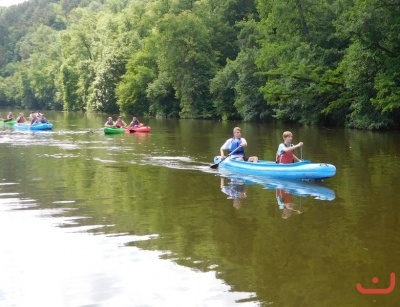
{"points": [[312, 62]]}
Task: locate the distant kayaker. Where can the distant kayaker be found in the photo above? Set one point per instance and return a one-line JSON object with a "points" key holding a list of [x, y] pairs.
{"points": [[32, 115], [34, 119], [119, 123], [21, 118], [235, 145], [10, 116], [42, 119], [135, 122], [109, 122], [285, 153]]}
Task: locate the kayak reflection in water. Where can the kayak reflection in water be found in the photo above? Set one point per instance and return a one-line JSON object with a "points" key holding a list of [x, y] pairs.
{"points": [[235, 190], [285, 203]]}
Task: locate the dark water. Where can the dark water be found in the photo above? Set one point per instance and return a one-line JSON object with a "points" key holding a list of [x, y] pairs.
{"points": [[88, 219]]}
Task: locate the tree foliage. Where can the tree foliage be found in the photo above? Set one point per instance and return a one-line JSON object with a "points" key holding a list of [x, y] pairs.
{"points": [[304, 61]]}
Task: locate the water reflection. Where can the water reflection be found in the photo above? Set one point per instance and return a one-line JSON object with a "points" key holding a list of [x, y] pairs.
{"points": [[297, 187], [286, 203], [234, 188], [51, 260]]}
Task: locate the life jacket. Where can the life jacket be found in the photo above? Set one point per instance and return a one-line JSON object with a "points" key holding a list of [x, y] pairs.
{"points": [[110, 123], [235, 144], [119, 123], [285, 157], [135, 123], [21, 120]]}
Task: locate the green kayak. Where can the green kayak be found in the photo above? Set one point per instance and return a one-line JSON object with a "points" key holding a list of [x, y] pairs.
{"points": [[113, 130], [8, 122]]}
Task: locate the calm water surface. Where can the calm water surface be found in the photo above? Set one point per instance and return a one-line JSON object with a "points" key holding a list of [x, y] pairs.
{"points": [[88, 219]]}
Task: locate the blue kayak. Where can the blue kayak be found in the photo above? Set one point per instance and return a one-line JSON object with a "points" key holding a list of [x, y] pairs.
{"points": [[299, 170], [34, 127]]}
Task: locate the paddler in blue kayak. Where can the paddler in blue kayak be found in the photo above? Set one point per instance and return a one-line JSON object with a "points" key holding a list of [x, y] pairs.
{"points": [[285, 152], [235, 146]]}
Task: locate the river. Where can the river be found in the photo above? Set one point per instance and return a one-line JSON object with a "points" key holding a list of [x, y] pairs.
{"points": [[88, 219]]}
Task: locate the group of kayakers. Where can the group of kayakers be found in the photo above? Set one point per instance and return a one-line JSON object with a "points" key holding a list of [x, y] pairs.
{"points": [[235, 146], [34, 118], [119, 123]]}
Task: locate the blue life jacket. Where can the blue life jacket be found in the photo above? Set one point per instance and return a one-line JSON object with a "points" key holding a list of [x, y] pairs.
{"points": [[235, 144]]}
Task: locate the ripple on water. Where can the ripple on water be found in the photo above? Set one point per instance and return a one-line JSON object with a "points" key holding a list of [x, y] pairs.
{"points": [[45, 265]]}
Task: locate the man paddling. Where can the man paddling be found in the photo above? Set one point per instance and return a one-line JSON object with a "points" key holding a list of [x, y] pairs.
{"points": [[236, 145]]}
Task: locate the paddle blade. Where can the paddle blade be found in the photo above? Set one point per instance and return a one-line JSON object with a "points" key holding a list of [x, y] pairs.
{"points": [[214, 166], [217, 161]]}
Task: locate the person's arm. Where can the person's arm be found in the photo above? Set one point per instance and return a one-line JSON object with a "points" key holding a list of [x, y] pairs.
{"points": [[222, 154], [243, 142], [280, 150], [224, 147], [295, 158], [292, 148]]}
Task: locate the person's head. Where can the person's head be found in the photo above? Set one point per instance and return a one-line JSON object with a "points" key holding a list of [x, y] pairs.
{"points": [[21, 114], [120, 117], [110, 118], [134, 118], [237, 131], [287, 134]]}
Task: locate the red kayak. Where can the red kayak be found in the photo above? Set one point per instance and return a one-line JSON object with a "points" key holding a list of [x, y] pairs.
{"points": [[138, 129]]}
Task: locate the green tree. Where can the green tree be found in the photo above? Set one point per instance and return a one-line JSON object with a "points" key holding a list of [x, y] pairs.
{"points": [[80, 53], [131, 91], [185, 54], [236, 86], [370, 68], [298, 52]]}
